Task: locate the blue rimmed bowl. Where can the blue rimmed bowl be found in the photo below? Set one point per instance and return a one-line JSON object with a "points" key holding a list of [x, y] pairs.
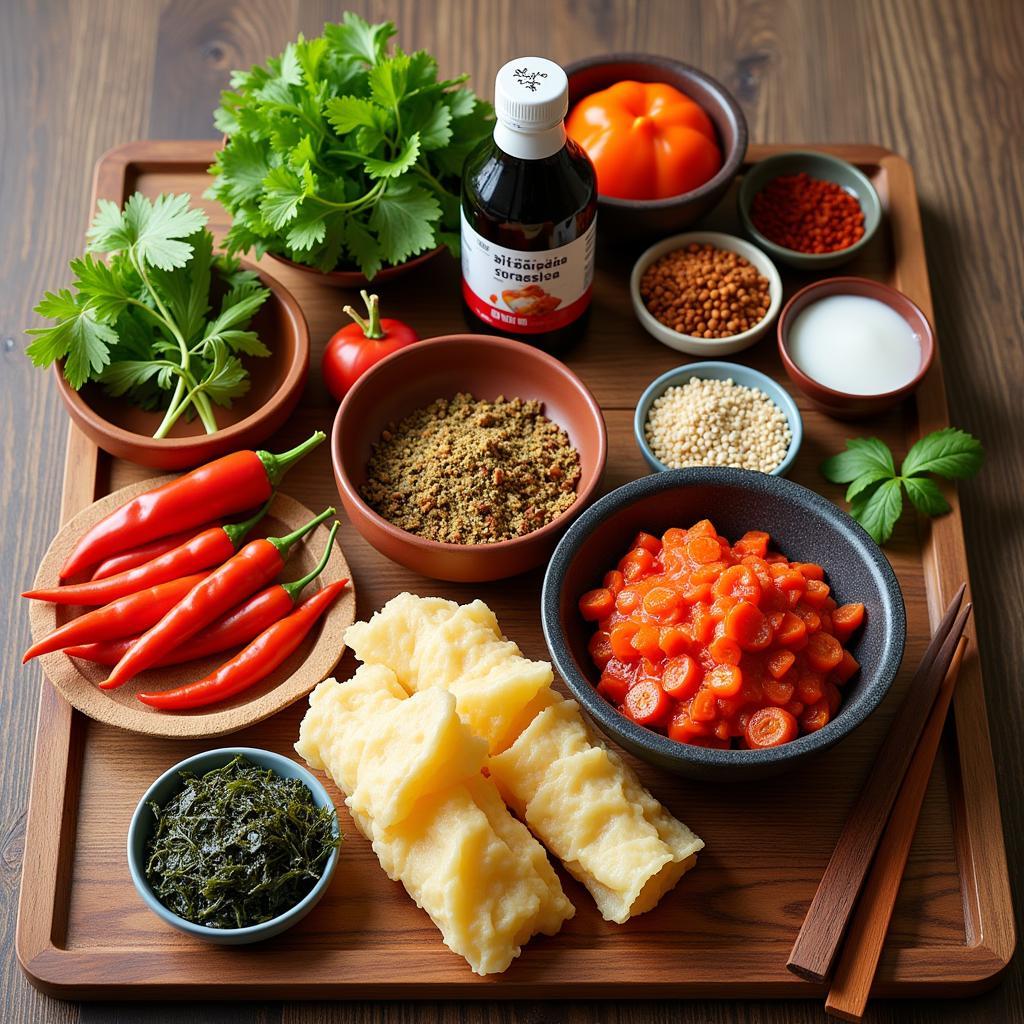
{"points": [[736, 372], [166, 786], [803, 525]]}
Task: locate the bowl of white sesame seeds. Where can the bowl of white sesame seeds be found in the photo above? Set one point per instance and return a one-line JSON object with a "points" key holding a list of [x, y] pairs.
{"points": [[717, 414]]}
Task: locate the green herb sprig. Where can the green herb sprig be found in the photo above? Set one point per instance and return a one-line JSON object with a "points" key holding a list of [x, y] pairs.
{"points": [[139, 322], [341, 154], [875, 491], [238, 846]]}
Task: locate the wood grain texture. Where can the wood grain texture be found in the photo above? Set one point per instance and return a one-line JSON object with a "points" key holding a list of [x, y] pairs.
{"points": [[937, 80], [862, 948], [78, 909]]}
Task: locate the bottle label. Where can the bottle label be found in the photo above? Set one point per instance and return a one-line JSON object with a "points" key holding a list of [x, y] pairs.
{"points": [[527, 292]]}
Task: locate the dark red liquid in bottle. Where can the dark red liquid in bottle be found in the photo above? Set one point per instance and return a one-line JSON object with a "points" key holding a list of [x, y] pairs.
{"points": [[529, 213], [530, 206]]}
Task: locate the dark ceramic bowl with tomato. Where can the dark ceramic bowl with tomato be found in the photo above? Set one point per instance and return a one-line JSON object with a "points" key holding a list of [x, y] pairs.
{"points": [[486, 367], [802, 524], [644, 219]]}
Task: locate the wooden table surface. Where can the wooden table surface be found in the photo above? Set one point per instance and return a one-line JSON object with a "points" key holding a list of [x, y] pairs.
{"points": [[939, 81]]}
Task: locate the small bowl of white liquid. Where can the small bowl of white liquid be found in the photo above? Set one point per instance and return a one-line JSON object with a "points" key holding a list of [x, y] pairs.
{"points": [[854, 346]]}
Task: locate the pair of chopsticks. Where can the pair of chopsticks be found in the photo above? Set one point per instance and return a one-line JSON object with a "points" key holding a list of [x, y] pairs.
{"points": [[883, 819]]}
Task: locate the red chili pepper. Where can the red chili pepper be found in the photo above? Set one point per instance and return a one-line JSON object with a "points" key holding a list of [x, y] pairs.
{"points": [[146, 552], [256, 662], [209, 548], [255, 565], [124, 617], [238, 627], [359, 345], [223, 487]]}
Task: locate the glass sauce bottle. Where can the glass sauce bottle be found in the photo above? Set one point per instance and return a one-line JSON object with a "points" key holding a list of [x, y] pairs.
{"points": [[529, 215]]}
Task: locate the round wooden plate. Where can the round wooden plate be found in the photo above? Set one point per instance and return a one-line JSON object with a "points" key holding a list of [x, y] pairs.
{"points": [[78, 680]]}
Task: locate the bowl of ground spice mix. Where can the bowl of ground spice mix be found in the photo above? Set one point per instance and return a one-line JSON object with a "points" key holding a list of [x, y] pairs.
{"points": [[465, 457]]}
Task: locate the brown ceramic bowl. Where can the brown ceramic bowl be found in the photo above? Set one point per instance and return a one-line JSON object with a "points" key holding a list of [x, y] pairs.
{"points": [[840, 403], [439, 368], [656, 218], [277, 380], [355, 278]]}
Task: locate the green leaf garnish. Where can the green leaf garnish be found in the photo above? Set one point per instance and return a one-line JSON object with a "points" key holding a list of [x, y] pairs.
{"points": [[925, 495], [951, 453], [875, 491], [863, 455]]}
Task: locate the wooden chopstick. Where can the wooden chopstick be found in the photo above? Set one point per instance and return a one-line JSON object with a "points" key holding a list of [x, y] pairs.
{"points": [[816, 945], [848, 996]]}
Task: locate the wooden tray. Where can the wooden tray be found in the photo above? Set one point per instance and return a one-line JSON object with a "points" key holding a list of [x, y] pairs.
{"points": [[726, 931]]}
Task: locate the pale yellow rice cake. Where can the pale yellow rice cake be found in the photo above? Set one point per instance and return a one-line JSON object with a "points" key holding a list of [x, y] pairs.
{"points": [[411, 771], [430, 642], [577, 796]]}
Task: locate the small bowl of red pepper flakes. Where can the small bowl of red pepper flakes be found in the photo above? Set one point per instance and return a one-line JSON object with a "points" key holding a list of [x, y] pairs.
{"points": [[810, 210]]}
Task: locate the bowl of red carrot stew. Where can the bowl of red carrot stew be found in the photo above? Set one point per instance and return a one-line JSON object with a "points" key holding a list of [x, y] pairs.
{"points": [[721, 623]]}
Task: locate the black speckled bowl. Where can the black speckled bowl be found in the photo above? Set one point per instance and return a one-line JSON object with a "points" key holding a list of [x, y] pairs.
{"points": [[803, 525]]}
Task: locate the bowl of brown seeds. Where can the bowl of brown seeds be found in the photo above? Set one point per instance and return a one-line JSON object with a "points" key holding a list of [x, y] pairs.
{"points": [[465, 457], [705, 293]]}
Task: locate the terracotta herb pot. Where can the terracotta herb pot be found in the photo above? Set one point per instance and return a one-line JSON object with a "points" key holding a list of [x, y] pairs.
{"points": [[126, 431]]}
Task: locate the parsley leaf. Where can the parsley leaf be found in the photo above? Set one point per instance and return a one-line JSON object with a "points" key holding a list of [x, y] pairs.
{"points": [[950, 453], [187, 290], [153, 231], [138, 322], [355, 37], [328, 141], [127, 374], [282, 194], [78, 338], [397, 165], [403, 219]]}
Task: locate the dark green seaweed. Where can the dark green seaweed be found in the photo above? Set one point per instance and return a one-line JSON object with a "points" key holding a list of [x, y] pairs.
{"points": [[238, 846]]}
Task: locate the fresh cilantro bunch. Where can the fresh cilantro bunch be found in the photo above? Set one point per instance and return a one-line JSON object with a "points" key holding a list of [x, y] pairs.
{"points": [[139, 322], [339, 154], [875, 493]]}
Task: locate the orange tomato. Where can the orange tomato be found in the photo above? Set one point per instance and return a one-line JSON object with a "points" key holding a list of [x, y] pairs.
{"points": [[681, 677], [600, 649], [725, 651], [724, 680], [847, 618], [645, 641], [647, 140]]}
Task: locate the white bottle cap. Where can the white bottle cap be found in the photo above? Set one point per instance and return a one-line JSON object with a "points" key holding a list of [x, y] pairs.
{"points": [[531, 94]]}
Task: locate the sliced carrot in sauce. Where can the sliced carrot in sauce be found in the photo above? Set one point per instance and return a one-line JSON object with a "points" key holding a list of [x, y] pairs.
{"points": [[770, 727], [647, 703], [597, 604]]}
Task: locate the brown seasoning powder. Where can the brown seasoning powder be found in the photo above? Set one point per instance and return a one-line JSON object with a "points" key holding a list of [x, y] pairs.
{"points": [[463, 471]]}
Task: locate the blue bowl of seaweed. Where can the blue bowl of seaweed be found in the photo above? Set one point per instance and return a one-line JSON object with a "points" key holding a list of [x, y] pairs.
{"points": [[233, 845]]}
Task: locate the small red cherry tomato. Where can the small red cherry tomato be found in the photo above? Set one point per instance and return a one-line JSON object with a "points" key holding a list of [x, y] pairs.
{"points": [[361, 344]]}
